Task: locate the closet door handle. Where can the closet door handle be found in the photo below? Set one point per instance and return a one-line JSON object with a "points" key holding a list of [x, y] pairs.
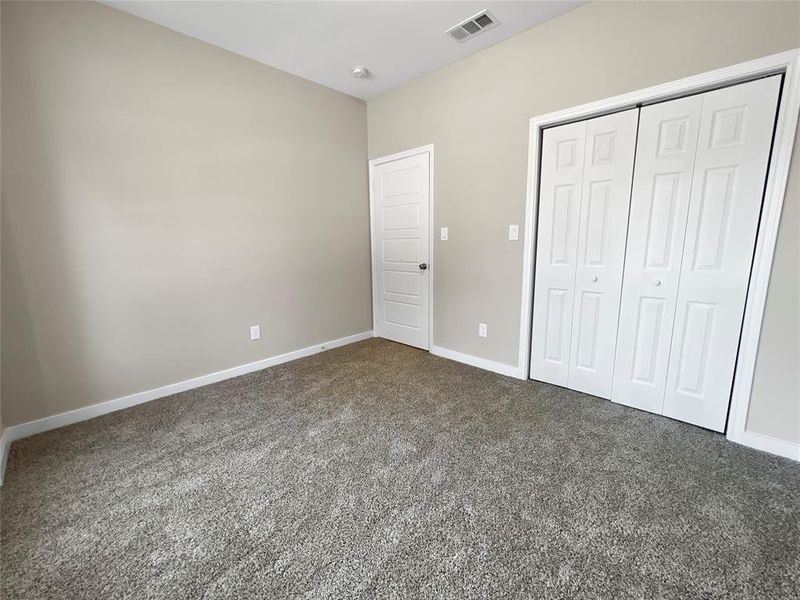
{"points": [[594, 279], [657, 283]]}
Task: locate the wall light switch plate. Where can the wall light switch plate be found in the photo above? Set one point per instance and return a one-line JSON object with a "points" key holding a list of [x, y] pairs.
{"points": [[255, 332], [482, 329], [443, 234], [513, 232]]}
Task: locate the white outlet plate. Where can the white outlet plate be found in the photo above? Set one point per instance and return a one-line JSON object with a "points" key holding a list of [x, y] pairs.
{"points": [[255, 332], [513, 232], [443, 234], [482, 329]]}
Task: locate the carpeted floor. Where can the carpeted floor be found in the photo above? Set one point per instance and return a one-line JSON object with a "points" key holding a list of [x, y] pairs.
{"points": [[380, 471]]}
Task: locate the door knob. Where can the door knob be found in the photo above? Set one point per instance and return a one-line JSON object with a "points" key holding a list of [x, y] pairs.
{"points": [[657, 283], [423, 266], [594, 279]]}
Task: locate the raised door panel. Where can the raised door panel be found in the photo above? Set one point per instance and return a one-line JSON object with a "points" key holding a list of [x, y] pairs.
{"points": [[556, 250], [401, 239], [662, 180], [733, 150], [603, 224]]}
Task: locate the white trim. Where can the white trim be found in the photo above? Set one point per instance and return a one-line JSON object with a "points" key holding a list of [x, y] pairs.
{"points": [[30, 428], [398, 155], [777, 177], [767, 444], [785, 62], [5, 446], [528, 245], [431, 263], [475, 361]]}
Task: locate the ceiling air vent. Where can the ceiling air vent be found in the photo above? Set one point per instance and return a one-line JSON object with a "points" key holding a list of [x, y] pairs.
{"points": [[473, 26]]}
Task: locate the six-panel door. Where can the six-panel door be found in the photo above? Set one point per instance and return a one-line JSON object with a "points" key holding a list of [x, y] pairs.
{"points": [[583, 208], [401, 239]]}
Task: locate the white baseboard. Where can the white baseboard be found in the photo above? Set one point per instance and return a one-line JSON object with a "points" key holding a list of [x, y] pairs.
{"points": [[766, 443], [476, 361], [16, 432]]}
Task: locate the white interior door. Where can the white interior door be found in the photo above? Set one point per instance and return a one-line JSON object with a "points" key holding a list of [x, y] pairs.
{"points": [[400, 221], [605, 202], [557, 248], [735, 138], [659, 206]]}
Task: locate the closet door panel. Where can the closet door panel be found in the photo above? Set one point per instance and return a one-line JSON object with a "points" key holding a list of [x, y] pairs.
{"points": [[735, 137], [605, 202], [665, 158], [556, 250]]}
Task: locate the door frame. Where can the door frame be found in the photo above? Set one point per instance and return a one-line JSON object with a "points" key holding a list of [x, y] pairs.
{"points": [[431, 264], [785, 63]]}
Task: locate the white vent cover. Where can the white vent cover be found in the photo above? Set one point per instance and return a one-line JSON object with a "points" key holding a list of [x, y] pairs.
{"points": [[473, 26]]}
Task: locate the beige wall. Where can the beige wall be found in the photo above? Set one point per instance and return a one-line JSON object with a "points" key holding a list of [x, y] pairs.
{"points": [[160, 195], [476, 113], [775, 401]]}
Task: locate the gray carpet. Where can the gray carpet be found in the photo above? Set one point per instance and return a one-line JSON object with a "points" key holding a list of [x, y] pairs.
{"points": [[380, 471]]}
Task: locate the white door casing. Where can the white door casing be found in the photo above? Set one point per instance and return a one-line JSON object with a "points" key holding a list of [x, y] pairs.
{"points": [[735, 139], [401, 249], [557, 247], [583, 212], [605, 202], [662, 180]]}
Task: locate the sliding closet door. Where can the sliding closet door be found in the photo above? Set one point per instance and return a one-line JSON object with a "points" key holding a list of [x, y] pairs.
{"points": [[735, 137], [584, 198], [557, 246], [605, 201], [665, 156]]}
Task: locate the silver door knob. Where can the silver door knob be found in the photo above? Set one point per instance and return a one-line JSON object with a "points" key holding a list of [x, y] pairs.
{"points": [[594, 279], [657, 283]]}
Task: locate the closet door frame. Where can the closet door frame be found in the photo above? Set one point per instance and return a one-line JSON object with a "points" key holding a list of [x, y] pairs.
{"points": [[786, 64]]}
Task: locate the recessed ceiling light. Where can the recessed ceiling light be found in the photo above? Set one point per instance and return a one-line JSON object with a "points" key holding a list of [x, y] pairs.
{"points": [[361, 72]]}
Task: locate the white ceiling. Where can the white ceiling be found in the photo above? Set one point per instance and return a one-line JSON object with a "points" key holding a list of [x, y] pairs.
{"points": [[397, 41]]}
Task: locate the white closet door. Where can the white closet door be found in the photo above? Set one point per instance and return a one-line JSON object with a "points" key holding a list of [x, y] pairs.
{"points": [[665, 156], [559, 208], [733, 150], [605, 201]]}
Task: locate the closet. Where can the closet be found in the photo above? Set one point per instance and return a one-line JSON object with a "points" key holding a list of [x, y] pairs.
{"points": [[646, 231]]}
